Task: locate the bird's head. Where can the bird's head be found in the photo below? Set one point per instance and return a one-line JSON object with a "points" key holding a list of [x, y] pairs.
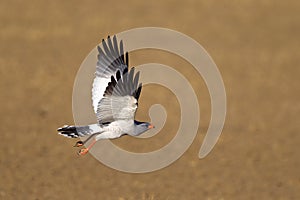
{"points": [[141, 127]]}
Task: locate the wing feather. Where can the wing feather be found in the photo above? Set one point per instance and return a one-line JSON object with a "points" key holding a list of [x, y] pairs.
{"points": [[110, 60], [116, 108], [116, 89], [120, 98]]}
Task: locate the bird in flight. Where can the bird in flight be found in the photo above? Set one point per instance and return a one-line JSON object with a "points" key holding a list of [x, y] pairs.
{"points": [[115, 94]]}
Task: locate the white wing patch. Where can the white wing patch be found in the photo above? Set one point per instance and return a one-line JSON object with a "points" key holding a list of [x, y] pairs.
{"points": [[99, 86]]}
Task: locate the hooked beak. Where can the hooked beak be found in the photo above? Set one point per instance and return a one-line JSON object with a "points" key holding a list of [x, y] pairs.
{"points": [[151, 126]]}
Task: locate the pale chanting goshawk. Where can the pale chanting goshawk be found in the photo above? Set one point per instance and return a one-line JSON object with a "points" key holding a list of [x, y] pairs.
{"points": [[115, 96]]}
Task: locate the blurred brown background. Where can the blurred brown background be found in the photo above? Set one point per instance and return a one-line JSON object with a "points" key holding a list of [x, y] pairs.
{"points": [[256, 47]]}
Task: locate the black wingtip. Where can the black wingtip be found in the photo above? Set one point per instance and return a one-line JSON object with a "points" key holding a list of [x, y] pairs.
{"points": [[138, 92], [127, 59], [118, 75]]}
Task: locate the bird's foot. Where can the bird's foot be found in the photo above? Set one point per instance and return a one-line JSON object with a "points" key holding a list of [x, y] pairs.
{"points": [[78, 144], [83, 151]]}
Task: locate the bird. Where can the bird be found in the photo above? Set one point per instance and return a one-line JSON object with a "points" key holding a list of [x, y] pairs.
{"points": [[115, 94]]}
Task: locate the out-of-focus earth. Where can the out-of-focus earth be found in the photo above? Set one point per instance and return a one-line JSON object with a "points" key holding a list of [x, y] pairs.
{"points": [[255, 44]]}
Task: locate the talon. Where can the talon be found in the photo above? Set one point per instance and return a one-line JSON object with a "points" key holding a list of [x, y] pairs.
{"points": [[83, 152], [78, 144]]}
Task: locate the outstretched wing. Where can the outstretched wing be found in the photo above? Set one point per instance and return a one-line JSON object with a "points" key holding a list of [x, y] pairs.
{"points": [[110, 60], [120, 99]]}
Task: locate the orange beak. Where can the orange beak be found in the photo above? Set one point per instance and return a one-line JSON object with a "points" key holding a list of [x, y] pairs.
{"points": [[151, 126]]}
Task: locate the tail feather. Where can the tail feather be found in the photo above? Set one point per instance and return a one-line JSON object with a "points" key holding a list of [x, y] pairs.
{"points": [[78, 131]]}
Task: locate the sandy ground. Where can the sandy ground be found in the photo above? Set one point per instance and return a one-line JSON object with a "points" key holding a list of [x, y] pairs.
{"points": [[256, 47]]}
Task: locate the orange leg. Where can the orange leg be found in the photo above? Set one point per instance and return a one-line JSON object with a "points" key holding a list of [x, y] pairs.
{"points": [[85, 150], [81, 143]]}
